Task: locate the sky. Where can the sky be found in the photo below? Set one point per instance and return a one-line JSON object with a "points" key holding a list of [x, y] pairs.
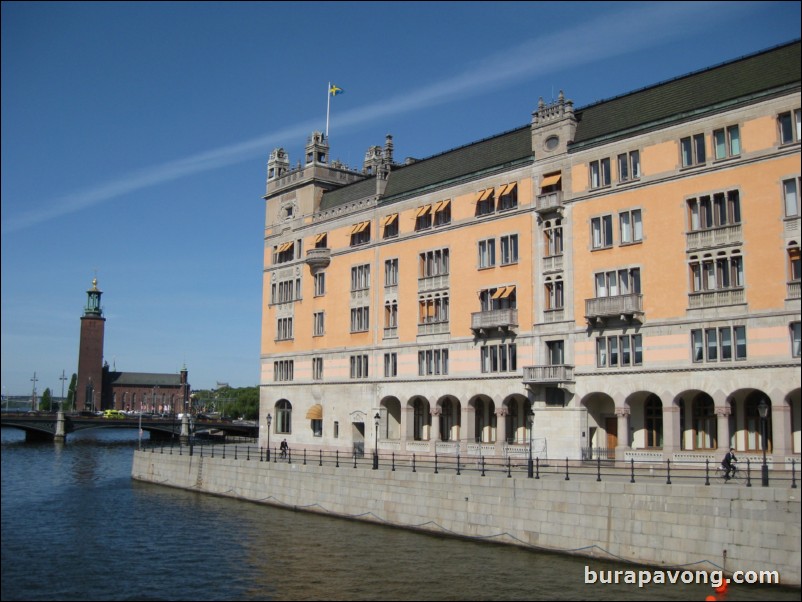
{"points": [[135, 139]]}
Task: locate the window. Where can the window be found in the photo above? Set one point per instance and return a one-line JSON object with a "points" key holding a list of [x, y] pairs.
{"points": [[390, 364], [499, 358], [433, 308], [284, 329], [359, 366], [508, 196], [390, 316], [434, 263], [619, 351], [432, 362], [390, 224], [360, 319], [631, 226], [317, 368], [509, 249], [613, 283], [319, 324], [791, 196], [714, 211], [285, 252], [442, 213], [317, 427], [391, 272], [553, 238], [320, 284], [321, 241], [360, 234], [790, 127], [360, 277], [283, 417], [556, 352], [487, 253], [600, 173], [629, 166], [727, 142], [423, 218], [285, 291], [794, 266], [601, 232], [485, 202], [502, 297], [554, 294], [716, 344], [692, 150], [710, 273], [336, 429], [282, 370], [796, 337]]}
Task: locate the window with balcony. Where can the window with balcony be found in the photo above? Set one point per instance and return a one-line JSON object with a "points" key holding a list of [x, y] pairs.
{"points": [[360, 319], [359, 366], [601, 232], [727, 142], [508, 245], [553, 237], [716, 344], [360, 234], [508, 196], [613, 283], [434, 263], [714, 211], [390, 317], [318, 324], [360, 277], [791, 197], [433, 309], [487, 253], [390, 365], [391, 272], [284, 329], [716, 272], [320, 284], [692, 150], [317, 368], [619, 351], [322, 241], [600, 173], [794, 271], [390, 226], [285, 252], [629, 166], [423, 218], [442, 213], [485, 202], [282, 370], [502, 297], [631, 227], [556, 352], [790, 127], [433, 362], [498, 358], [554, 293]]}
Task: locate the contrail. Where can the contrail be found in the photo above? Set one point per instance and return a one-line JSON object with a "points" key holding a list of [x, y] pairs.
{"points": [[614, 34]]}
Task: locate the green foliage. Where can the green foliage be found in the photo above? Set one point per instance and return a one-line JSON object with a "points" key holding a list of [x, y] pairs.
{"points": [[242, 402], [46, 401], [70, 405]]}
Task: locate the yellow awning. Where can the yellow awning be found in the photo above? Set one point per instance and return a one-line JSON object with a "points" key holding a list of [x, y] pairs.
{"points": [[359, 227], [510, 187], [503, 189], [550, 180], [484, 194], [499, 292], [442, 205], [389, 219], [315, 412], [319, 237], [285, 246], [423, 210], [507, 292]]}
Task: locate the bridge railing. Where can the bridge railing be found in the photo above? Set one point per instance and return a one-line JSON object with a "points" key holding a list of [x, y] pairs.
{"points": [[750, 474]]}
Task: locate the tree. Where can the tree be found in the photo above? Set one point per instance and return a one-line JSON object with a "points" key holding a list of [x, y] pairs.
{"points": [[46, 401], [70, 405]]}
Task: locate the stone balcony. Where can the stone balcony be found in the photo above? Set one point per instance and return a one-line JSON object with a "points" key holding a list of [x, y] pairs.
{"points": [[318, 258], [550, 202], [496, 319], [624, 307], [548, 375], [714, 237]]}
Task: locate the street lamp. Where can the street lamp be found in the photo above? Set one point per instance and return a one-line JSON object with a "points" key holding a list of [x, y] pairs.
{"points": [[376, 420], [269, 421], [763, 410], [530, 468]]}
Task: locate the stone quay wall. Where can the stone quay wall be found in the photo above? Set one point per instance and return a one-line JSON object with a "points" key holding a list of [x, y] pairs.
{"points": [[720, 526]]}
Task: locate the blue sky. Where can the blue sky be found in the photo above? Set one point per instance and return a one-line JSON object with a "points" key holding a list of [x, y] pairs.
{"points": [[135, 138]]}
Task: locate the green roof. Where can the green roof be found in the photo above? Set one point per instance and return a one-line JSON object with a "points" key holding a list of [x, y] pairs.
{"points": [[144, 379], [353, 192], [692, 94]]}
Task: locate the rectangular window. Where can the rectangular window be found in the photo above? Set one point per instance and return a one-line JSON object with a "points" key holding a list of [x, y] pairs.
{"points": [[360, 277], [720, 209], [434, 263], [286, 291], [442, 213], [692, 150], [485, 202], [320, 284], [433, 309], [556, 351], [790, 127], [631, 226], [433, 362], [716, 344], [360, 319], [509, 249], [629, 166], [390, 224], [796, 339], [423, 218], [360, 234], [487, 253], [321, 241], [390, 316], [625, 281], [283, 370], [600, 173], [391, 272], [359, 366], [499, 358], [723, 273], [390, 365], [727, 142], [508, 196], [284, 329], [623, 350], [601, 232], [317, 368], [553, 233], [791, 196], [554, 294], [318, 322]]}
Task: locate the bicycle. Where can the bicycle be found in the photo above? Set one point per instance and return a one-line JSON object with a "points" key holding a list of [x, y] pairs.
{"points": [[736, 475]]}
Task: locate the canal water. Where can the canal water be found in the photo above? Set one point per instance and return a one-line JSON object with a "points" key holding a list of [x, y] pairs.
{"points": [[75, 526]]}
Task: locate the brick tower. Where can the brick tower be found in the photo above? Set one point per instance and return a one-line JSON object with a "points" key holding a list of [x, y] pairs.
{"points": [[90, 353]]}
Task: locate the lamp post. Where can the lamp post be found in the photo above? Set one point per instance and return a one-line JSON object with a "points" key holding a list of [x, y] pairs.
{"points": [[269, 421], [376, 420], [763, 410], [530, 469]]}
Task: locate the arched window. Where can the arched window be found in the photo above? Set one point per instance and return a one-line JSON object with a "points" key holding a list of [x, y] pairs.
{"points": [[421, 420], [284, 417], [754, 425], [485, 421], [704, 422], [653, 415]]}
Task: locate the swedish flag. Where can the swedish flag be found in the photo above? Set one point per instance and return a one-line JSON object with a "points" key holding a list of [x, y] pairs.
{"points": [[334, 90]]}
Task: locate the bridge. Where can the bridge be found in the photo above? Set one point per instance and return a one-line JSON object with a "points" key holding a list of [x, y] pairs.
{"points": [[55, 426]]}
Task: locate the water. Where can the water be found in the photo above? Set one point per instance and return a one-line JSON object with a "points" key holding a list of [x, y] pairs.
{"points": [[75, 526]]}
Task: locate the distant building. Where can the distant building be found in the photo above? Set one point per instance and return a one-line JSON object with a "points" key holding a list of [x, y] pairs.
{"points": [[100, 388], [625, 274]]}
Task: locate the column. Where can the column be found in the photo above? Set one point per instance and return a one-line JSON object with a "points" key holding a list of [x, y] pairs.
{"points": [[723, 435], [407, 426], [501, 429], [434, 433], [467, 427], [622, 414], [671, 432], [782, 444]]}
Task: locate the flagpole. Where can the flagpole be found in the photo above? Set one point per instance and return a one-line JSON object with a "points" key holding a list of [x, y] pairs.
{"points": [[328, 104]]}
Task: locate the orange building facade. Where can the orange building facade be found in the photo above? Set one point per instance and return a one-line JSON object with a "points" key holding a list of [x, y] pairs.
{"points": [[620, 280]]}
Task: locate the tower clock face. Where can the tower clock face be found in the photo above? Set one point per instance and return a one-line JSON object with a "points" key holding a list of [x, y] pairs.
{"points": [[552, 142]]}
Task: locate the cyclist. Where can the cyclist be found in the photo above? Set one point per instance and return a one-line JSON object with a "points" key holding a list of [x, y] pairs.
{"points": [[728, 464]]}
